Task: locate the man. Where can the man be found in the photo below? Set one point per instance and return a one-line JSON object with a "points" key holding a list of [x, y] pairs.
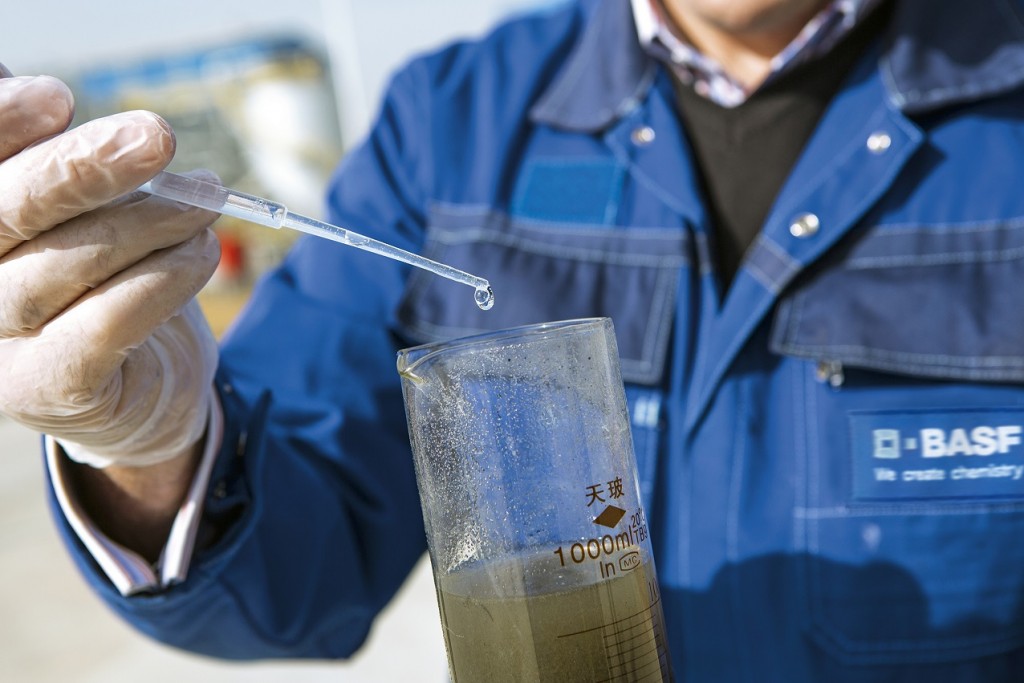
{"points": [[803, 218]]}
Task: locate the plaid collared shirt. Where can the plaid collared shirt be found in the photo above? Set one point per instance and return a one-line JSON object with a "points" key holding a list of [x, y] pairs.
{"points": [[660, 40]]}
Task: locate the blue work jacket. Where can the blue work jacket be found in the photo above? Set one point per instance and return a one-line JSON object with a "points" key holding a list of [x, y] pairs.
{"points": [[830, 451]]}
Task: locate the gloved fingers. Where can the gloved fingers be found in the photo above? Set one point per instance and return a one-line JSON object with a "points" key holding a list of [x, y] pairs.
{"points": [[151, 408], [31, 109], [106, 324], [153, 423], [43, 276], [79, 170]]}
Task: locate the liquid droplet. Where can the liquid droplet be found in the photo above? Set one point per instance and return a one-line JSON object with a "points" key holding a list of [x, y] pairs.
{"points": [[484, 298]]}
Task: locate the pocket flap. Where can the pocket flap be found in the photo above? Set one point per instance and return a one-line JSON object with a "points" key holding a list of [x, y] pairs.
{"points": [[543, 272], [933, 301]]}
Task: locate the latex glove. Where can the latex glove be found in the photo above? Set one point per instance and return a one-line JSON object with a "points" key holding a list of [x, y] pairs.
{"points": [[99, 345]]}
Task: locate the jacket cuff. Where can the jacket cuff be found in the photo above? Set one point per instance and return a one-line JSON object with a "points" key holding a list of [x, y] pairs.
{"points": [[125, 569]]}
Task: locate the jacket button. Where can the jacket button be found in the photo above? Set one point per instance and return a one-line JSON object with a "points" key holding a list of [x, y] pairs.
{"points": [[642, 136], [879, 142], [804, 225]]}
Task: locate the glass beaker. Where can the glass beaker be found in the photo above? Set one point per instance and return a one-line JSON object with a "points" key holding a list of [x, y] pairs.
{"points": [[538, 541]]}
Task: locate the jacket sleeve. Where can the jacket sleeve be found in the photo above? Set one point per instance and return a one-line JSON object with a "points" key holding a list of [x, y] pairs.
{"points": [[312, 520]]}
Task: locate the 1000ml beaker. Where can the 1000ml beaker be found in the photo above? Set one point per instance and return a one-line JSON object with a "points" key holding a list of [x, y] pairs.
{"points": [[538, 541]]}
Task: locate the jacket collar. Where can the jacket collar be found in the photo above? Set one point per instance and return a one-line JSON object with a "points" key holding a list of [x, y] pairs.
{"points": [[606, 75], [968, 51]]}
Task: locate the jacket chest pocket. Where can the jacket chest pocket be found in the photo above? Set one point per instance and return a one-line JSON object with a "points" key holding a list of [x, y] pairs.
{"points": [[911, 506]]}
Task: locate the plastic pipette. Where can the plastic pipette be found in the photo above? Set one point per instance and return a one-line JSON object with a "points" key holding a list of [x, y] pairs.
{"points": [[248, 207]]}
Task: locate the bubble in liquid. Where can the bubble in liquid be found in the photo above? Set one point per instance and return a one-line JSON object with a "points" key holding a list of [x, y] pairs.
{"points": [[484, 297]]}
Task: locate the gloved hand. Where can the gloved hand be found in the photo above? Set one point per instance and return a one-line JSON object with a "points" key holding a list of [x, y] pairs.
{"points": [[101, 343]]}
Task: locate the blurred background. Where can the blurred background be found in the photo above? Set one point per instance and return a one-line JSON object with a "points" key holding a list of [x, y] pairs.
{"points": [[269, 95]]}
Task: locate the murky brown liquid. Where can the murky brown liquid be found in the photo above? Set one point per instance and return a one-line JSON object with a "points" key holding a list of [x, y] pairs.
{"points": [[612, 630]]}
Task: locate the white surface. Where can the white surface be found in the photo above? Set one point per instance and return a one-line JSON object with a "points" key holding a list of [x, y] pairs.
{"points": [[53, 630]]}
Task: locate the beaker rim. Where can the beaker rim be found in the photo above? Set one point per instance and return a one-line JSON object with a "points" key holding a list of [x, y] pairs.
{"points": [[410, 358]]}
